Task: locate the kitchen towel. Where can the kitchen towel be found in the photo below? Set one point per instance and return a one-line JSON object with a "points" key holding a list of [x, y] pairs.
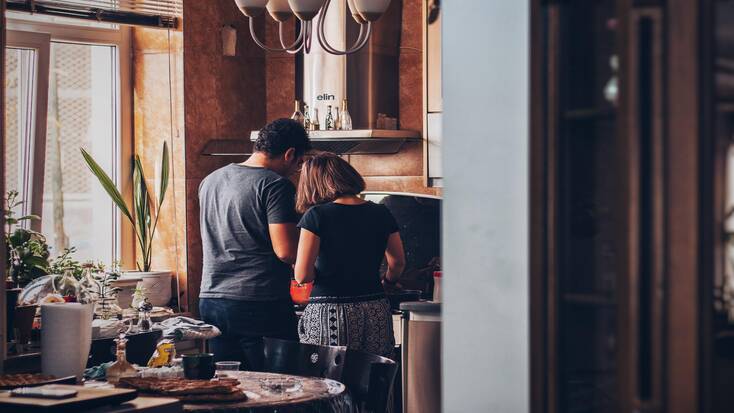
{"points": [[66, 336]]}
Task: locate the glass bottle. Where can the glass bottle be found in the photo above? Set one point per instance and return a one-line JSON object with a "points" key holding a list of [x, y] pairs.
{"points": [[144, 322], [297, 115], [346, 118], [67, 286], [315, 120], [329, 121], [337, 120], [306, 118], [121, 367], [89, 286]]}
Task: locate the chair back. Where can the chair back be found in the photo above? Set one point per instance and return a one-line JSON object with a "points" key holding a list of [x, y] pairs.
{"points": [[292, 357], [369, 379]]}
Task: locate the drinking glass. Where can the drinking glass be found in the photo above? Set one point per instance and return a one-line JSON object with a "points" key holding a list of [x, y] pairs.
{"points": [[227, 368]]}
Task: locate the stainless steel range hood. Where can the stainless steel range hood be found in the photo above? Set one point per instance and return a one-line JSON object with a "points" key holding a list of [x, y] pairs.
{"points": [[368, 79]]}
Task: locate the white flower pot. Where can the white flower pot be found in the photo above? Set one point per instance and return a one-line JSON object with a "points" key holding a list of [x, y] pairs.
{"points": [[157, 286]]}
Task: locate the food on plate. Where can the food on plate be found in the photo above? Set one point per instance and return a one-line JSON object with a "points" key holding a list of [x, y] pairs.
{"points": [[19, 380], [189, 391]]}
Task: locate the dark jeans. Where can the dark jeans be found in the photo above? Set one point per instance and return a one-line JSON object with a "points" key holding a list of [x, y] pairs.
{"points": [[244, 324]]}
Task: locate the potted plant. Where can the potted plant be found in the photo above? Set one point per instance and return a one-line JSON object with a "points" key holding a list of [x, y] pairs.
{"points": [[143, 215], [27, 258]]}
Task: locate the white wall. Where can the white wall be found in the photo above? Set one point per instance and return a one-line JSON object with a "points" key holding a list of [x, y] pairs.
{"points": [[486, 104]]}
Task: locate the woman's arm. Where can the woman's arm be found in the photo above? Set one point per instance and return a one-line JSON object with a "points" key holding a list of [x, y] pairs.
{"points": [[395, 256], [308, 250]]}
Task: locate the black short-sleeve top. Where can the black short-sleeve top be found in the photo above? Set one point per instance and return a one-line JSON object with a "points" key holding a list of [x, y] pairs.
{"points": [[353, 239]]}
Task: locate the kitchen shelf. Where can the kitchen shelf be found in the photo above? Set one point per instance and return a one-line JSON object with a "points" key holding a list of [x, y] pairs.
{"points": [[360, 141], [593, 299], [352, 142], [606, 112]]}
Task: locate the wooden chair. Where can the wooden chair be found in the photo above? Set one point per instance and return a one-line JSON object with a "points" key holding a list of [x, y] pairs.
{"points": [[292, 357]]}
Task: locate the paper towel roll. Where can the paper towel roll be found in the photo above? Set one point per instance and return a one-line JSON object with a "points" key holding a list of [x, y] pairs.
{"points": [[66, 336]]}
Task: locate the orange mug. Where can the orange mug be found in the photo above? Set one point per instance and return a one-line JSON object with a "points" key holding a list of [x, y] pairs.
{"points": [[300, 292]]}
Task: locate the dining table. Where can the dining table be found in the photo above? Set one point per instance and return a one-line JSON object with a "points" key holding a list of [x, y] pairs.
{"points": [[305, 395], [310, 394]]}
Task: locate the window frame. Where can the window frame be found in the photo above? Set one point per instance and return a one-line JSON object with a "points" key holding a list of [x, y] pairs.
{"points": [[32, 192], [120, 36]]}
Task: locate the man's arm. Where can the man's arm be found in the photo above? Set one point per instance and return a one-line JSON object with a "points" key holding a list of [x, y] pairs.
{"points": [[285, 241]]}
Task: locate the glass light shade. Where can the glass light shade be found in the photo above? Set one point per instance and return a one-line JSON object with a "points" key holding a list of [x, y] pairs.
{"points": [[355, 13], [371, 10], [279, 9], [306, 9], [251, 8]]}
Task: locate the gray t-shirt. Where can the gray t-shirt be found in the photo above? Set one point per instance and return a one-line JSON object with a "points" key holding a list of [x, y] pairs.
{"points": [[236, 205]]}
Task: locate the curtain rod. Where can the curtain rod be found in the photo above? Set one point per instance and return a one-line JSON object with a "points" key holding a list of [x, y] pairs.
{"points": [[101, 15]]}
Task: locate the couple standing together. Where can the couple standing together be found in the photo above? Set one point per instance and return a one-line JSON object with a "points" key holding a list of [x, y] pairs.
{"points": [[250, 221]]}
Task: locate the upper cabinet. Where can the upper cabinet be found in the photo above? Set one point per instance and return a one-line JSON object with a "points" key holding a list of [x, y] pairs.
{"points": [[614, 218]]}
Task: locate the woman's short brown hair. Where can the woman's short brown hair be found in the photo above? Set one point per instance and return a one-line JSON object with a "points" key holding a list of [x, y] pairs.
{"points": [[324, 178]]}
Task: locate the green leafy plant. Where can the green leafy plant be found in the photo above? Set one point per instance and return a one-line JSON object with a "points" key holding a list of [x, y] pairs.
{"points": [[65, 261], [27, 251], [146, 208]]}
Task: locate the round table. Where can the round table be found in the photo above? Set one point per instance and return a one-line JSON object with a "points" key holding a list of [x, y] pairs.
{"points": [[316, 392]]}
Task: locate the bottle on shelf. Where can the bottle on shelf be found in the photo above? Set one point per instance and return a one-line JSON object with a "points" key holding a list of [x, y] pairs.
{"points": [[337, 120], [315, 120], [346, 118], [121, 367], [297, 115], [306, 117], [329, 120]]}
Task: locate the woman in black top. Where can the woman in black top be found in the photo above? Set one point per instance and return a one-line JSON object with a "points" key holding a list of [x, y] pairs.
{"points": [[343, 241]]}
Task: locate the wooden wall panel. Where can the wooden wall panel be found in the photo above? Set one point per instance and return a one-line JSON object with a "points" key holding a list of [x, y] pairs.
{"points": [[224, 97], [683, 309], [158, 117]]}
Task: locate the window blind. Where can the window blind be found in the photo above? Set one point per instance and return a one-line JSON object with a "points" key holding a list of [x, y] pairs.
{"points": [[155, 13]]}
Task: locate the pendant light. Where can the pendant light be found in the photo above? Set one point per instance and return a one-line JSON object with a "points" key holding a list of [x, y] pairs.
{"points": [[364, 12]]}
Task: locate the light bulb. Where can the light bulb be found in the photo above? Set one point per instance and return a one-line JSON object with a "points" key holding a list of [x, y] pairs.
{"points": [[306, 9], [279, 9], [251, 8], [371, 10], [355, 13]]}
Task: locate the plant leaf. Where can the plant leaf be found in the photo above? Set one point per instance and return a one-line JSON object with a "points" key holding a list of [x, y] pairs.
{"points": [[165, 170], [142, 201], [107, 184]]}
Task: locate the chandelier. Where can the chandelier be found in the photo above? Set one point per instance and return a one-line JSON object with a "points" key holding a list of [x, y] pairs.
{"points": [[364, 12]]}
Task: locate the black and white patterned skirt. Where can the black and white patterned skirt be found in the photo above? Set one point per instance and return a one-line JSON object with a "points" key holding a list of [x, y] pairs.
{"points": [[359, 325]]}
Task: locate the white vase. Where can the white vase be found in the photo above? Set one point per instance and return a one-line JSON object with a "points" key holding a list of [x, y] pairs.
{"points": [[157, 285]]}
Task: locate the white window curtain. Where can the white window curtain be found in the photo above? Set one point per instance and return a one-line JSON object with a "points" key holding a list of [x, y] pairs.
{"points": [[156, 13]]}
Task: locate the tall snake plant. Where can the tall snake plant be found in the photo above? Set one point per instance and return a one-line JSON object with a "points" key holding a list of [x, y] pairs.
{"points": [[146, 208]]}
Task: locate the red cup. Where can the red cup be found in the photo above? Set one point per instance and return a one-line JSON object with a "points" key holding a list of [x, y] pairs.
{"points": [[300, 292]]}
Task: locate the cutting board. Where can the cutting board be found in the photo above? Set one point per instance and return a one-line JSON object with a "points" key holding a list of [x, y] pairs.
{"points": [[86, 398]]}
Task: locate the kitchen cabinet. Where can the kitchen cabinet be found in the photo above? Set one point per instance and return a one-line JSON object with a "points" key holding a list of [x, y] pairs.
{"points": [[614, 206], [432, 98]]}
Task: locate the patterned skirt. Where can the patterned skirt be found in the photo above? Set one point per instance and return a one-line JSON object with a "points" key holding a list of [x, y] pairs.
{"points": [[359, 325]]}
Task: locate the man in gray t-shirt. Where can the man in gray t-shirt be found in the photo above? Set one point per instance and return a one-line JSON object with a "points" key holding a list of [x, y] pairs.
{"points": [[249, 242]]}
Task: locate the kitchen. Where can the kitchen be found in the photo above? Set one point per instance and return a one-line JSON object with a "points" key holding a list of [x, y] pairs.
{"points": [[559, 172], [200, 88]]}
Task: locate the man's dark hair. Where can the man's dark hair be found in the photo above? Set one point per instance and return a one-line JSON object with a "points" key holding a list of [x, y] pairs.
{"points": [[280, 135]]}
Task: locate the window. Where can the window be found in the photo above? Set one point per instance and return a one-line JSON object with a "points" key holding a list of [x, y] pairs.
{"points": [[64, 92]]}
